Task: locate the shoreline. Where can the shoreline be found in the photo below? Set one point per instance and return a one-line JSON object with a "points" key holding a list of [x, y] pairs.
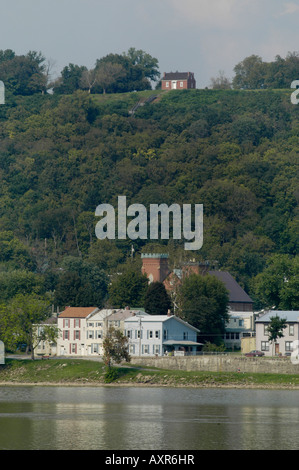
{"points": [[153, 385]]}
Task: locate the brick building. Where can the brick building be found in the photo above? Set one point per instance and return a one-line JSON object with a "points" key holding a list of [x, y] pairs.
{"points": [[178, 81]]}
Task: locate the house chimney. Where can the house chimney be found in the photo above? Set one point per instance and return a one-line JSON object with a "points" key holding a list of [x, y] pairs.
{"points": [[168, 313]]}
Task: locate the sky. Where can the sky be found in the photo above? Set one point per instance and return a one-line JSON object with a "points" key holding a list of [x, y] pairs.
{"points": [[200, 36]]}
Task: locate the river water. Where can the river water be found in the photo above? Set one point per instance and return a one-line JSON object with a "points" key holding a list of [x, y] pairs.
{"points": [[141, 418]]}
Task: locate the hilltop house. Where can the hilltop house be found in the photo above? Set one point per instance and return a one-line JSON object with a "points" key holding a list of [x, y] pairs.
{"points": [[178, 81], [151, 335], [284, 345]]}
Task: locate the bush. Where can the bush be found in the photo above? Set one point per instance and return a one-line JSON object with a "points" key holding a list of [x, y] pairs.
{"points": [[111, 374]]}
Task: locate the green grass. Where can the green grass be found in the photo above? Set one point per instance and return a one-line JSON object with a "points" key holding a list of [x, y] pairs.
{"points": [[76, 371]]}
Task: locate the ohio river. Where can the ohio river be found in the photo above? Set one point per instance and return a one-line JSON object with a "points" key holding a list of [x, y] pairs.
{"points": [[132, 418]]}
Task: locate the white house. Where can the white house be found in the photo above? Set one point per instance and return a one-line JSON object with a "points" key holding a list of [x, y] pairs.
{"points": [[284, 345], [239, 326], [151, 335], [76, 333], [83, 329]]}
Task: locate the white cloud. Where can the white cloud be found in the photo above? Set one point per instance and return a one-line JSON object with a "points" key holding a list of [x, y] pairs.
{"points": [[290, 8]]}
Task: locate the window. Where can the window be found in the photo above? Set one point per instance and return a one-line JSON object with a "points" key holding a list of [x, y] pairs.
{"points": [[157, 334], [149, 334], [181, 84], [156, 349], [132, 348], [266, 333], [145, 349], [265, 345], [66, 322], [165, 334], [291, 330], [77, 334], [129, 333], [241, 322], [167, 84], [185, 335], [74, 348], [66, 334], [99, 334], [94, 348], [77, 322], [138, 334], [90, 334], [289, 346], [91, 324]]}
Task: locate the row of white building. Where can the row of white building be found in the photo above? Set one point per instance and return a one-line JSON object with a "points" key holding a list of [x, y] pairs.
{"points": [[83, 329]]}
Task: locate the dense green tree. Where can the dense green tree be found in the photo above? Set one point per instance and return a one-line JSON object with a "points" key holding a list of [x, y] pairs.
{"points": [[19, 319], [128, 289], [157, 300], [24, 74], [80, 284], [277, 286], [70, 80], [203, 302]]}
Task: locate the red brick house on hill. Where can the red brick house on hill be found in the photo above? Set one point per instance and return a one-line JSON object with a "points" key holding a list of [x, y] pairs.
{"points": [[178, 81]]}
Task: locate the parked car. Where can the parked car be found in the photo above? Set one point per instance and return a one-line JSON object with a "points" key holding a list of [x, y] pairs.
{"points": [[254, 353]]}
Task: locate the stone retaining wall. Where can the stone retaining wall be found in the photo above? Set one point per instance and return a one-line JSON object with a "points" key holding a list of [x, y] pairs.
{"points": [[221, 363]]}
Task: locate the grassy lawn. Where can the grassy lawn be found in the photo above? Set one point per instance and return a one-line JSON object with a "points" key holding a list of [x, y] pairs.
{"points": [[76, 371]]}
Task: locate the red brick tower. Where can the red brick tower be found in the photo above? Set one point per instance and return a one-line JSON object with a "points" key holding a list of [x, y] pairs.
{"points": [[155, 266]]}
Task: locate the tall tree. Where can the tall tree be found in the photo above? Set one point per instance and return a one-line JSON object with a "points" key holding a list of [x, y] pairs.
{"points": [[203, 302], [277, 286], [275, 329], [128, 289], [19, 319], [157, 300], [250, 73], [24, 74], [108, 73]]}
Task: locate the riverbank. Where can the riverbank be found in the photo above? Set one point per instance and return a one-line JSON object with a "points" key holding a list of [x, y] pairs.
{"points": [[76, 372]]}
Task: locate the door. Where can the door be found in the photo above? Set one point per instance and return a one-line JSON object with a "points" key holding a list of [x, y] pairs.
{"points": [[173, 84], [276, 349]]}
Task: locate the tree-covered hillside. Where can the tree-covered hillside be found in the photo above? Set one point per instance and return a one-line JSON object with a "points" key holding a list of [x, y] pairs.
{"points": [[234, 151]]}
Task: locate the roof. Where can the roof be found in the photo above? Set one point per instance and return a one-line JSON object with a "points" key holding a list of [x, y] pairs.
{"points": [[123, 314], [236, 292], [288, 315], [176, 76], [77, 312], [161, 318]]}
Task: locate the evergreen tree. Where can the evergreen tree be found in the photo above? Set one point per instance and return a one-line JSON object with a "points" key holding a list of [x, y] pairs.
{"points": [[157, 300]]}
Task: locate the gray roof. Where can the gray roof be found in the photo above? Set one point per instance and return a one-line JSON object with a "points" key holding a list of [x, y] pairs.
{"points": [[236, 292], [288, 315], [123, 314]]}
